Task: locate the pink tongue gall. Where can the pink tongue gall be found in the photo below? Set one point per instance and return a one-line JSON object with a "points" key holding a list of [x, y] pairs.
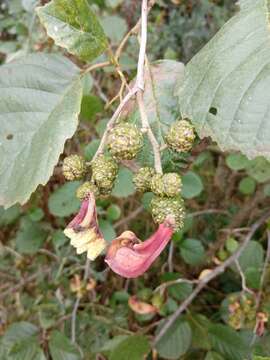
{"points": [[129, 258], [84, 232]]}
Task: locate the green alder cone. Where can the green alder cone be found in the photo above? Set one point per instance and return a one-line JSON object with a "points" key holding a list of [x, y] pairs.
{"points": [[104, 172], [169, 184], [163, 207], [125, 141], [85, 189], [74, 167], [142, 179], [181, 136]]}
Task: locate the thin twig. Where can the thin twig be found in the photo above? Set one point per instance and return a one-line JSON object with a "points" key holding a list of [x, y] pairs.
{"points": [[170, 257], [113, 119], [49, 253], [210, 276], [134, 30], [97, 66], [131, 216], [13, 252], [77, 303], [208, 211], [73, 319], [164, 286], [243, 278]]}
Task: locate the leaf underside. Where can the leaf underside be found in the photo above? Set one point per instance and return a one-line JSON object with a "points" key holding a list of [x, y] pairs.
{"points": [[39, 108]]}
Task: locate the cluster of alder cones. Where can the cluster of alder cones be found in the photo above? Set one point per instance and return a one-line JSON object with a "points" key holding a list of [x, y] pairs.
{"points": [[124, 142]]}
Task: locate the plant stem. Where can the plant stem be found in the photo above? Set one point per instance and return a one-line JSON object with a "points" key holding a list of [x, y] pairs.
{"points": [[139, 83], [151, 136]]}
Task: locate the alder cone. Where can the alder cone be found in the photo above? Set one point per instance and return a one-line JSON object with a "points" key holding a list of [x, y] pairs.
{"points": [[142, 179], [163, 207], [168, 185], [86, 189], [74, 167], [125, 141], [104, 172], [181, 136]]}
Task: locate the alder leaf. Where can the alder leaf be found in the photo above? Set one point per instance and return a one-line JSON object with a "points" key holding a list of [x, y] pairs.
{"points": [[227, 84], [39, 108], [73, 26]]}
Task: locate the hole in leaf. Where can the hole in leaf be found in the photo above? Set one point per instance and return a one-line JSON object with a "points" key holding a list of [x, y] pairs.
{"points": [[9, 137], [213, 110]]}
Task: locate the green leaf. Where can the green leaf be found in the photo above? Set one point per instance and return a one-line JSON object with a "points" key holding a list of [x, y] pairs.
{"points": [[19, 331], [261, 358], [87, 83], [107, 230], [247, 186], [192, 185], [253, 277], [133, 348], [113, 343], [199, 325], [192, 251], [146, 200], [90, 149], [227, 342], [63, 201], [262, 348], [30, 237], [212, 355], [48, 314], [259, 169], [231, 245], [74, 26], [9, 216], [176, 341], [91, 105], [40, 103], [252, 256], [178, 291], [113, 212], [59, 239], [115, 27], [123, 185], [160, 101], [36, 214], [226, 87], [20, 342], [28, 349], [61, 348], [237, 161]]}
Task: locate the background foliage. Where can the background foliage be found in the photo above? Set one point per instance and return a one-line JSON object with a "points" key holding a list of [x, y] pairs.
{"points": [[40, 275]]}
